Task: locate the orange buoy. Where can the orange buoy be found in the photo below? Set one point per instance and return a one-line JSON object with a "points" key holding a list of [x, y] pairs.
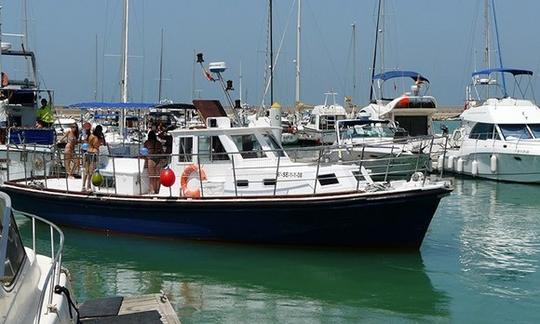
{"points": [[167, 177], [188, 170]]}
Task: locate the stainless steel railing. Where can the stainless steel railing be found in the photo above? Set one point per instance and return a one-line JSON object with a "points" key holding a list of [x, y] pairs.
{"points": [[399, 159]]}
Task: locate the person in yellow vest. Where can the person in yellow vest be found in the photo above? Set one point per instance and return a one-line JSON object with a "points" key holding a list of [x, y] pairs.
{"points": [[45, 115]]}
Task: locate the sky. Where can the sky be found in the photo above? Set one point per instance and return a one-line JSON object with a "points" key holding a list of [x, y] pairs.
{"points": [[442, 39]]}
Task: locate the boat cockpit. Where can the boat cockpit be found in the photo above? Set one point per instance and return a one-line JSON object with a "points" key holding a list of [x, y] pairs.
{"points": [[505, 132]]}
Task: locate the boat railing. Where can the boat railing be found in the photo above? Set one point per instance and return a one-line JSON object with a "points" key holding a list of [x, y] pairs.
{"points": [[399, 160], [56, 238]]}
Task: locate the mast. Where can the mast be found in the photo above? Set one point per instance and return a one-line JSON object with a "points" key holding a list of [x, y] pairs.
{"points": [[240, 81], [487, 52], [498, 45], [375, 50], [354, 61], [124, 82], [298, 34], [160, 68], [96, 72], [271, 54], [25, 9], [1, 86]]}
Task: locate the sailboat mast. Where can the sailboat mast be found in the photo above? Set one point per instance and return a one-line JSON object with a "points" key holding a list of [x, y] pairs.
{"points": [[271, 54], [160, 68], [124, 84], [354, 60], [96, 72], [487, 52], [375, 50], [298, 35], [25, 38], [240, 81]]}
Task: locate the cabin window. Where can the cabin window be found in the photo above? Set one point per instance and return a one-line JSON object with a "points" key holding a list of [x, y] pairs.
{"points": [[273, 144], [514, 132], [185, 150], [327, 179], [482, 131], [313, 120], [535, 129], [248, 146], [211, 149], [328, 122], [15, 254]]}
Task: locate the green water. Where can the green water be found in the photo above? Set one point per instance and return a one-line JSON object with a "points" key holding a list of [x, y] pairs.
{"points": [[479, 263]]}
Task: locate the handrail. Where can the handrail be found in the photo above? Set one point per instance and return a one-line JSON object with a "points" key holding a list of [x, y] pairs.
{"points": [[398, 157], [53, 275]]}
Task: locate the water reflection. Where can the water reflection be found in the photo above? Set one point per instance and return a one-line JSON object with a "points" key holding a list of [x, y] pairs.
{"points": [[499, 238], [236, 283]]}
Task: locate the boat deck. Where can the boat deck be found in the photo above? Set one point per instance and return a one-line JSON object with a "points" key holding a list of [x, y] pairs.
{"points": [[75, 186], [152, 308]]}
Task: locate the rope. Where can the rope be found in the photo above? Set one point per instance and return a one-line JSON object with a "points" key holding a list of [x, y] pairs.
{"points": [[63, 290]]}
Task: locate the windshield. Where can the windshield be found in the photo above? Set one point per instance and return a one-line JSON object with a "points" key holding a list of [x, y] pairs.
{"points": [[273, 144], [368, 131], [15, 254], [515, 132], [535, 129], [248, 146]]}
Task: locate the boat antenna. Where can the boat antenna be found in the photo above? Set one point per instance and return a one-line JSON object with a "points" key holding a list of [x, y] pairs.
{"points": [[375, 50], [227, 86]]}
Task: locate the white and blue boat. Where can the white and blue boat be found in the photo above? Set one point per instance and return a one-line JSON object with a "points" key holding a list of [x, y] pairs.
{"points": [[238, 184]]}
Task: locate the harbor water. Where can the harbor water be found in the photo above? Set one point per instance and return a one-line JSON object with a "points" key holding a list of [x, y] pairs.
{"points": [[478, 263]]}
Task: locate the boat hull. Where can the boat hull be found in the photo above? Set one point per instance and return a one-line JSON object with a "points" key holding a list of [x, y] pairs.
{"points": [[397, 220], [509, 167]]}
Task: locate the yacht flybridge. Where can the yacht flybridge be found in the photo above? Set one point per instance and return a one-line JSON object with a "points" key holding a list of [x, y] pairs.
{"points": [[321, 127], [500, 134], [238, 184], [411, 109]]}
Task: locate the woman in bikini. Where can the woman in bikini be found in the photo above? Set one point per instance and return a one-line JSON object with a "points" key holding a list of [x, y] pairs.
{"points": [[155, 151], [90, 158], [72, 137]]}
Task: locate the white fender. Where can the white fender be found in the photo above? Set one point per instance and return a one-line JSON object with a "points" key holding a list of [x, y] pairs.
{"points": [[474, 168], [493, 163], [451, 162], [440, 162], [459, 165]]}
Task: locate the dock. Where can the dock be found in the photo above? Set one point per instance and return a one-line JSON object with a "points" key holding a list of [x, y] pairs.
{"points": [[151, 309]]}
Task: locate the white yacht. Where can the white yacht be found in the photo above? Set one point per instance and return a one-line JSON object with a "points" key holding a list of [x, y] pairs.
{"points": [[383, 148], [321, 127], [33, 285], [500, 136]]}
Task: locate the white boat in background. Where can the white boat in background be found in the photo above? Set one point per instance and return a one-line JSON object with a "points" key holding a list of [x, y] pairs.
{"points": [[500, 136], [321, 127], [33, 284], [411, 110], [382, 148]]}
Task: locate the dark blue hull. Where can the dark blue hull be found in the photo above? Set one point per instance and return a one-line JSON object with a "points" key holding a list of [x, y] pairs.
{"points": [[397, 220]]}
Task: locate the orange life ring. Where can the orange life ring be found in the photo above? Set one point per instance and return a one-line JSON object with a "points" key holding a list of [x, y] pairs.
{"points": [[188, 170]]}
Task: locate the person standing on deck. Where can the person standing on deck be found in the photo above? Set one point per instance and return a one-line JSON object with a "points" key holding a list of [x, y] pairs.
{"points": [[45, 115]]}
